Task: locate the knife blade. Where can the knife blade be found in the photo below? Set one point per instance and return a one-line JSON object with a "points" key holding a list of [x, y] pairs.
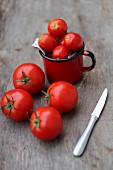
{"points": [[81, 144]]}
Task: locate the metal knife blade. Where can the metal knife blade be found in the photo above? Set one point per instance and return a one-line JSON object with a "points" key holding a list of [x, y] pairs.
{"points": [[98, 109], [81, 144]]}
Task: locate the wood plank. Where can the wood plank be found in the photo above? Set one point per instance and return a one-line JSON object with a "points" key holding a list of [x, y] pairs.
{"points": [[20, 23]]}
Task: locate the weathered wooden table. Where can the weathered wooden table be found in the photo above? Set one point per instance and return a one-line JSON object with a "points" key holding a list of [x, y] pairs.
{"points": [[20, 23]]}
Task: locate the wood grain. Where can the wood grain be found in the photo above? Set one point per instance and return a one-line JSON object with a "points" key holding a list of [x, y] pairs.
{"points": [[20, 23]]}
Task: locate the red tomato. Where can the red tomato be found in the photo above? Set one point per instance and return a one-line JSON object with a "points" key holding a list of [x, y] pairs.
{"points": [[46, 123], [73, 41], [60, 52], [61, 41], [29, 77], [47, 42], [17, 104], [62, 95], [57, 27]]}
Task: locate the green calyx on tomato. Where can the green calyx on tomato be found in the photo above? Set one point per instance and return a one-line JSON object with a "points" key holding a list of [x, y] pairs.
{"points": [[25, 79], [47, 95], [36, 122], [9, 105]]}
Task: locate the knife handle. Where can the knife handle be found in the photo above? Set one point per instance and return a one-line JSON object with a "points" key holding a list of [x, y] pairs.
{"points": [[81, 144]]}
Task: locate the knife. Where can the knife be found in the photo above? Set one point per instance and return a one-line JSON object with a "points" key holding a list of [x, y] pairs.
{"points": [[81, 144]]}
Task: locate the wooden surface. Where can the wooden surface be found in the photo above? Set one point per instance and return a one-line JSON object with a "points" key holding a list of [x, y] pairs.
{"points": [[20, 23]]}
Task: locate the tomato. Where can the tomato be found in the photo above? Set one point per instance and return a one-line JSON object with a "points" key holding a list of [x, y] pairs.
{"points": [[46, 123], [29, 77], [62, 95], [73, 41], [47, 42], [57, 27], [60, 52], [17, 104], [61, 41]]}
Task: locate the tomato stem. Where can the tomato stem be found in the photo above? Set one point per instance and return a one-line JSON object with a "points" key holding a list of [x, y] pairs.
{"points": [[25, 79], [67, 37], [54, 26], [9, 105], [37, 121], [47, 95]]}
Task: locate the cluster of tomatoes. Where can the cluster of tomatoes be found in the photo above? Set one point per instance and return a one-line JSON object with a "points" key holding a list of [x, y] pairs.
{"points": [[45, 121], [58, 42]]}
